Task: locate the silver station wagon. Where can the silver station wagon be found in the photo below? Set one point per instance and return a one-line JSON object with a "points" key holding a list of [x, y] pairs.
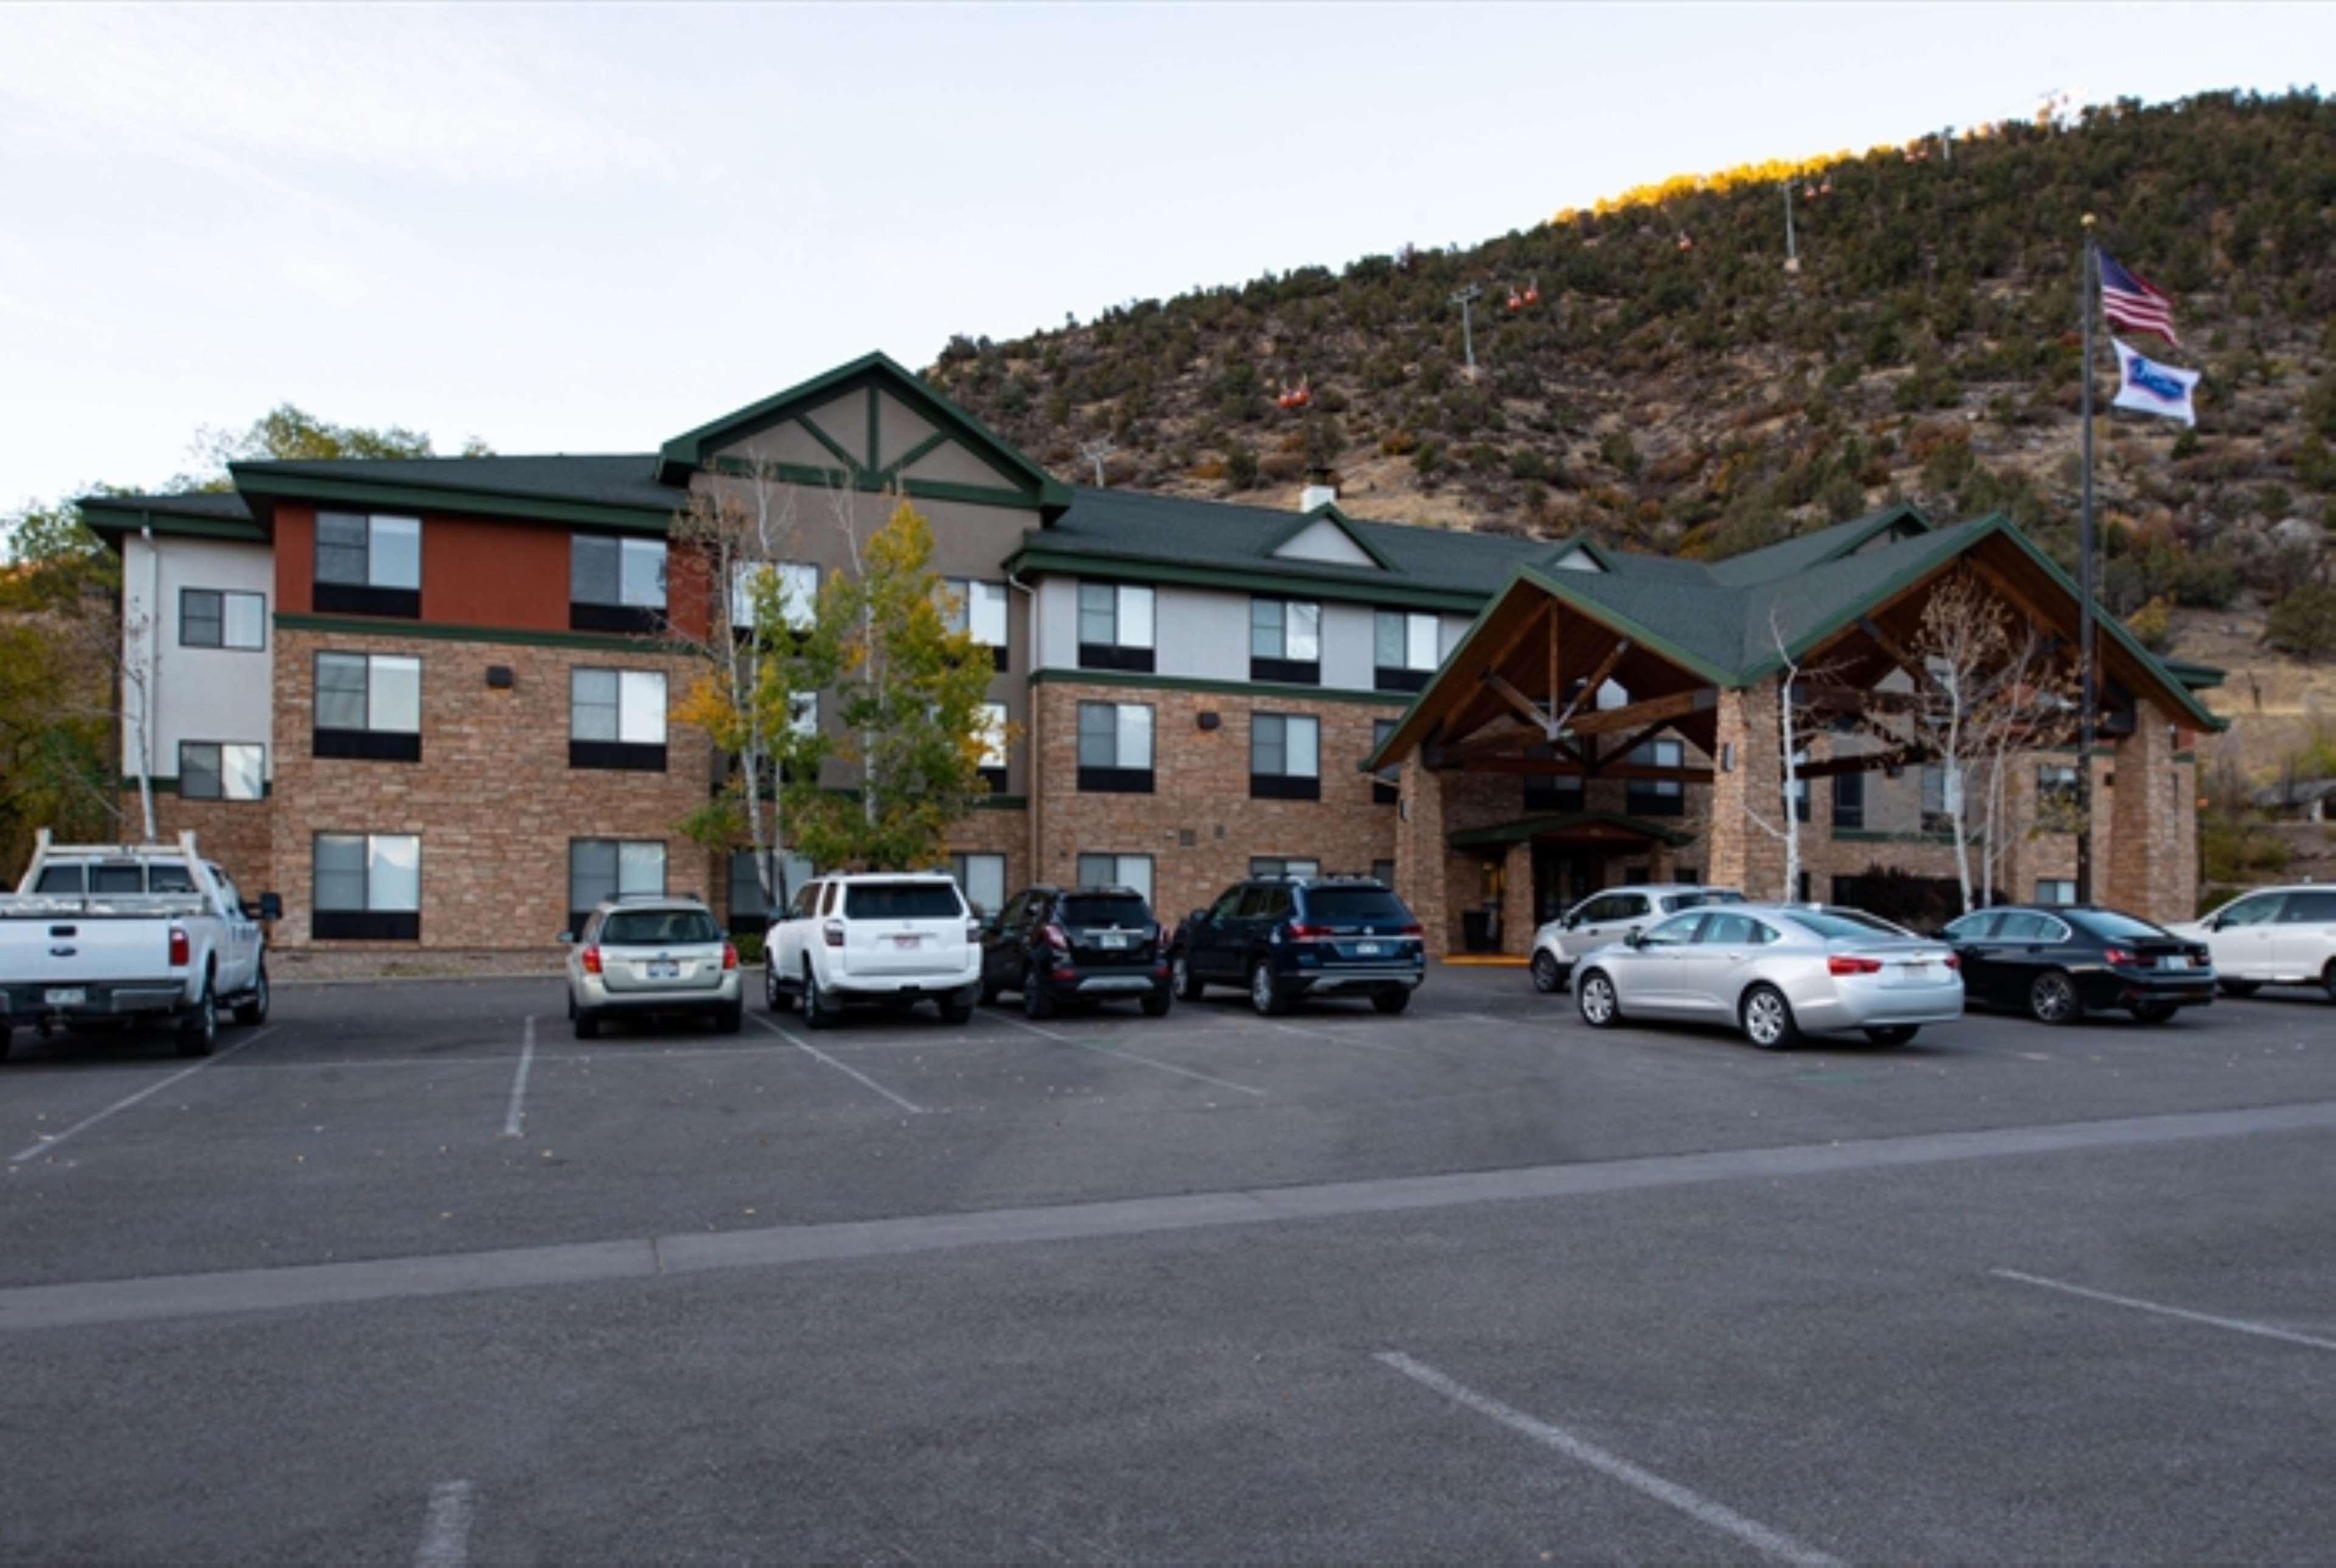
{"points": [[1775, 971], [639, 957]]}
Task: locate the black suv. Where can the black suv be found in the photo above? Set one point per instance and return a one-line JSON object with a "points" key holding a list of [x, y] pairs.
{"points": [[1075, 944], [1281, 940]]}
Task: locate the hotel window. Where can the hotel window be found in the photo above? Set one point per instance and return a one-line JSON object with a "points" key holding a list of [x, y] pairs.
{"points": [[981, 878], [369, 705], [1114, 627], [1655, 797], [615, 584], [1942, 796], [1285, 757], [1848, 802], [603, 869], [1285, 641], [1799, 792], [221, 771], [1552, 792], [748, 911], [797, 586], [992, 731], [368, 888], [2055, 787], [1114, 748], [616, 719], [1102, 870], [2056, 890], [1384, 871], [1283, 866], [368, 565], [213, 618], [1387, 784], [1408, 649], [970, 604]]}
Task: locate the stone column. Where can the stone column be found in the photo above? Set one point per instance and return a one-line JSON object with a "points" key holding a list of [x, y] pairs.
{"points": [[1744, 854], [2153, 825], [1419, 853]]}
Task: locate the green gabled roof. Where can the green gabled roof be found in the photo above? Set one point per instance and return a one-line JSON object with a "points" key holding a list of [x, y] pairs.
{"points": [[1774, 562], [198, 513], [694, 449], [613, 491], [1327, 512]]}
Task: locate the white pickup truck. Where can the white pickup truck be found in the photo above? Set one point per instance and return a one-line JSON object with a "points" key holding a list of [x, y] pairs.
{"points": [[100, 932]]}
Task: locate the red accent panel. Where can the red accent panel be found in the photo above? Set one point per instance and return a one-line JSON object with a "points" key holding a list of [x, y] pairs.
{"points": [[500, 574], [295, 556]]}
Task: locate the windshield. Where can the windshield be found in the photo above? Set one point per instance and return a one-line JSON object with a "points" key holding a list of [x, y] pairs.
{"points": [[1106, 909], [2106, 923], [1354, 904], [902, 901], [1844, 924], [658, 928], [1696, 900]]}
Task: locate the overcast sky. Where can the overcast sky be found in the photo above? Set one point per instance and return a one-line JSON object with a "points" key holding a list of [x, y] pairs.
{"points": [[586, 228]]}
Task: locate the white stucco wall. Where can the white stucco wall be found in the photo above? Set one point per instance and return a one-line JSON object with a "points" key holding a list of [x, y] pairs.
{"points": [[1350, 647], [200, 694], [1201, 635]]}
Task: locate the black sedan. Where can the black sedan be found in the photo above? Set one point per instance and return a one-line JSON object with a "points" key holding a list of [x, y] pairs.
{"points": [[2058, 963]]}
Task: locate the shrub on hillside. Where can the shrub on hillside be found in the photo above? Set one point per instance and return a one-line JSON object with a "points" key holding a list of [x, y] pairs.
{"points": [[2305, 622]]}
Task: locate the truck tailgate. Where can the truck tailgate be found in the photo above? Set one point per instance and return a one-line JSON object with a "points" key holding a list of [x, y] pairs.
{"points": [[63, 946]]}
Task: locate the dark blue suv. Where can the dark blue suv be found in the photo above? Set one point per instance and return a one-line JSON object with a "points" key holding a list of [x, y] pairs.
{"points": [[1282, 939]]}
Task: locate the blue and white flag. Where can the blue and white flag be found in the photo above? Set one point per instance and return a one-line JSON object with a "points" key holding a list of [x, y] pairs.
{"points": [[2153, 388]]}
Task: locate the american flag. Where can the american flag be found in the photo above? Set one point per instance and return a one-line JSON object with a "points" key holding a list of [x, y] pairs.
{"points": [[2129, 301]]}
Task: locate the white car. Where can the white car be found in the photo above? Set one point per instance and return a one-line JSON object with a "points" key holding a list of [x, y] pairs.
{"points": [[895, 937], [100, 932], [2271, 937], [1609, 917]]}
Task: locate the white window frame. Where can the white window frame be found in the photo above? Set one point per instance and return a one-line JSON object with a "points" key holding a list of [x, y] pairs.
{"points": [[1422, 635], [228, 597], [1133, 613], [798, 585], [631, 859], [374, 664], [1126, 728], [254, 775], [371, 901], [629, 549], [634, 705], [976, 605], [964, 863], [1293, 626], [1290, 726], [1119, 866], [375, 523]]}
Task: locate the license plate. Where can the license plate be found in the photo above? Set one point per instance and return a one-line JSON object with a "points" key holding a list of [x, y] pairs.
{"points": [[1366, 949], [65, 997], [664, 970], [908, 942], [2179, 961], [1111, 939], [1917, 971]]}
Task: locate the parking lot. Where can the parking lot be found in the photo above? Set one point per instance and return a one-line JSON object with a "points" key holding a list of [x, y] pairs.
{"points": [[411, 1274]]}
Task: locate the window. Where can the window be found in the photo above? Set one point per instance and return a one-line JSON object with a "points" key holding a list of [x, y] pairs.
{"points": [[1848, 802], [1384, 871], [902, 901], [1942, 798], [1733, 931], [1689, 874], [2056, 890], [1387, 784], [615, 584], [1552, 793], [1850, 923], [221, 771], [1114, 748], [1108, 871], [2308, 909], [981, 878], [992, 730], [795, 583], [1114, 627], [368, 704], [599, 870], [1283, 866], [977, 606], [1638, 873], [1677, 931], [1285, 641], [1285, 757], [368, 888], [2022, 927], [1343, 904], [1664, 797], [2252, 911], [616, 719], [748, 909], [1408, 649], [2056, 786], [1973, 928], [657, 929], [1799, 791], [1673, 903], [368, 565], [214, 618]]}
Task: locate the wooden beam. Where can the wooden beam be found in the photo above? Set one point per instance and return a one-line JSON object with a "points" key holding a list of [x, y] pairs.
{"points": [[1597, 678], [1526, 708], [1678, 705], [1624, 748], [1897, 655], [1862, 762], [1517, 765]]}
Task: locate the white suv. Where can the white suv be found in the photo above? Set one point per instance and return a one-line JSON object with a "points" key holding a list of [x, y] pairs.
{"points": [[2271, 937], [1605, 918], [893, 937]]}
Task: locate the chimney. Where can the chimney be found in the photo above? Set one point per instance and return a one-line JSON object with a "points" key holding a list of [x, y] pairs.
{"points": [[1321, 490]]}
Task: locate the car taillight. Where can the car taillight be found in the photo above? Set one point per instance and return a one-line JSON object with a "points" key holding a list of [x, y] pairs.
{"points": [[1954, 961], [1413, 930], [729, 956], [1300, 932], [832, 933], [2119, 955], [1840, 964], [973, 927], [590, 958], [182, 951]]}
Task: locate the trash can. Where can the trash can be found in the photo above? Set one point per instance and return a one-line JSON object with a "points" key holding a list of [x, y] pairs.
{"points": [[1476, 930]]}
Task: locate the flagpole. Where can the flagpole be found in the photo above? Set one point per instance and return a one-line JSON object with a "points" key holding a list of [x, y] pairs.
{"points": [[2086, 586]]}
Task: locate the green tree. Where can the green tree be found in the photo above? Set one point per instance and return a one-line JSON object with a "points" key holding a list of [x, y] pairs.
{"points": [[909, 694], [290, 433]]}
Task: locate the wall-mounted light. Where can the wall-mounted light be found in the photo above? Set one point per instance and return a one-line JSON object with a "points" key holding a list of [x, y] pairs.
{"points": [[1208, 721], [1728, 756], [499, 677]]}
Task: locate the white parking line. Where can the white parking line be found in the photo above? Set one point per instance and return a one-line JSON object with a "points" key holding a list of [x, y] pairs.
{"points": [[446, 1528], [1696, 1506], [2236, 1325], [906, 1105], [1341, 1039], [1132, 1056], [51, 1141], [515, 1120]]}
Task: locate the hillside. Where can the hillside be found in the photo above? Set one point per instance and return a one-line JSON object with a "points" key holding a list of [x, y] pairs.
{"points": [[1674, 388]]}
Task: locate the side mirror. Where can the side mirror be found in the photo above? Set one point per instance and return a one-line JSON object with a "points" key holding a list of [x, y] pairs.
{"points": [[1637, 937], [271, 908], [1196, 917]]}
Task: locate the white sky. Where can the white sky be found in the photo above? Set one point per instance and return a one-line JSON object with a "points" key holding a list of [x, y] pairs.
{"points": [[586, 228]]}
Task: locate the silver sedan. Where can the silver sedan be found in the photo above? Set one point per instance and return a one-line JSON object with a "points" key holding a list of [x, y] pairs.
{"points": [[639, 957], [1775, 971]]}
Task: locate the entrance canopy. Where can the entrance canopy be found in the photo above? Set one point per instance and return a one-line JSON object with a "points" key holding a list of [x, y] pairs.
{"points": [[1572, 830]]}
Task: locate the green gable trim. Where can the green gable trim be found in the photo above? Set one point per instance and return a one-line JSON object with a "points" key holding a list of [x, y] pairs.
{"points": [[1327, 512], [1136, 680], [852, 464], [1524, 828], [1036, 561], [105, 520], [874, 484], [411, 497], [440, 631], [2196, 676]]}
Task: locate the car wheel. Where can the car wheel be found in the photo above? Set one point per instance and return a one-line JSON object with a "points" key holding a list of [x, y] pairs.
{"points": [[253, 1009], [1548, 974], [777, 997], [1188, 985], [6, 1034], [587, 1022], [199, 1026], [728, 1019], [2327, 979], [1155, 1003], [2236, 987], [2153, 1012], [817, 1011], [1038, 1001], [988, 994], [1892, 1034], [1767, 1018], [1601, 1009], [955, 1008], [2052, 999], [1263, 994], [1391, 998]]}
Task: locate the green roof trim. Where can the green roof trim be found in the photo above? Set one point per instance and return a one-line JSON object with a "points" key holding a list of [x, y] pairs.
{"points": [[2196, 676], [442, 631], [200, 514], [1327, 512], [273, 481], [1532, 827], [1279, 580]]}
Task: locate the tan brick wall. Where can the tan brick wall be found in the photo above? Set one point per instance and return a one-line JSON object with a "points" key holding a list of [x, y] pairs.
{"points": [[1201, 786], [492, 799], [2150, 868], [238, 834]]}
